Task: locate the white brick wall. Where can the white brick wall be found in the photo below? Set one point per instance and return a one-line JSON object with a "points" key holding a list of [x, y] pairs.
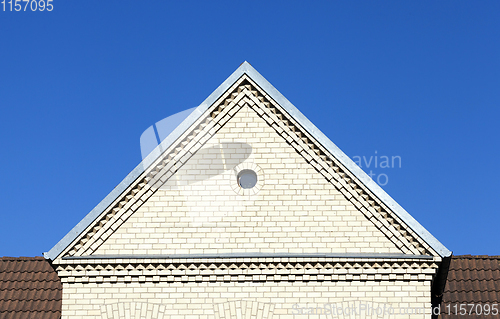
{"points": [[296, 209], [279, 300], [202, 210]]}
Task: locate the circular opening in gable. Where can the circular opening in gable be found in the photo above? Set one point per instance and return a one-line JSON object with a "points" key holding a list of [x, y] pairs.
{"points": [[247, 178]]}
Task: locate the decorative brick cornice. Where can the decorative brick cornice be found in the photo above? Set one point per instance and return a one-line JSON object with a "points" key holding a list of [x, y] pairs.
{"points": [[248, 270]]}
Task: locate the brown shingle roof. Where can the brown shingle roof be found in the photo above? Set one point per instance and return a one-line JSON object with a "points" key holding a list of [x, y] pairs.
{"points": [[472, 280], [29, 288]]}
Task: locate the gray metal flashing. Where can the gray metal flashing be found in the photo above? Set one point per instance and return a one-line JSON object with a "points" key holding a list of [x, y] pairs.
{"points": [[256, 255], [246, 68]]}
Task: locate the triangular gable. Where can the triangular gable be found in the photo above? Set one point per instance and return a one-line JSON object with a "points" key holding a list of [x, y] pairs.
{"points": [[293, 208], [185, 140]]}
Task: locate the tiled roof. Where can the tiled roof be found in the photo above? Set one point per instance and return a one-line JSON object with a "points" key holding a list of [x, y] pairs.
{"points": [[472, 280], [29, 288]]}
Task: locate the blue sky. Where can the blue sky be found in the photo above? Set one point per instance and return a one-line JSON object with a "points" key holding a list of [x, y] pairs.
{"points": [[418, 80]]}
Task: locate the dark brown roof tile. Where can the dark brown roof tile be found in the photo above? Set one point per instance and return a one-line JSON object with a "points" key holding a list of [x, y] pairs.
{"points": [[472, 279], [29, 288]]}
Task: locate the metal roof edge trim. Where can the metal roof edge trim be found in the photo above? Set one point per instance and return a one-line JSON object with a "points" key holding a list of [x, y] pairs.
{"points": [[257, 255], [246, 68]]}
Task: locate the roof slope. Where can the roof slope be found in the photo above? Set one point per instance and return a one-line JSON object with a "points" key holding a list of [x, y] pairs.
{"points": [[472, 280], [29, 288], [316, 135]]}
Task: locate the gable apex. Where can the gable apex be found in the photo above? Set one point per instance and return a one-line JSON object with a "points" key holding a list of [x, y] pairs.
{"points": [[246, 69]]}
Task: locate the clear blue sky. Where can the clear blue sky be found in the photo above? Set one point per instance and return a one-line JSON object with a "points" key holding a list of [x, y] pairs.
{"points": [[414, 79]]}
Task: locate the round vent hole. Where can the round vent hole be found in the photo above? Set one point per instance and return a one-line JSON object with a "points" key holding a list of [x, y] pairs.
{"points": [[247, 179]]}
